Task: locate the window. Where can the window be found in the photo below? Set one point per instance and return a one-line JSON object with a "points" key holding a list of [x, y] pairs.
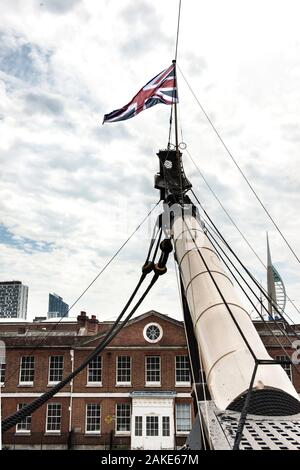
{"points": [[93, 418], [27, 370], [56, 368], [2, 373], [183, 417], [153, 332], [123, 370], [24, 425], [151, 425], [166, 426], [182, 370], [286, 367], [153, 370], [138, 426], [53, 417], [123, 418], [95, 371]]}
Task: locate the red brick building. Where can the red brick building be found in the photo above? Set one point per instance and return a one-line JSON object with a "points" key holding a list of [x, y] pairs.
{"points": [[136, 394], [277, 334]]}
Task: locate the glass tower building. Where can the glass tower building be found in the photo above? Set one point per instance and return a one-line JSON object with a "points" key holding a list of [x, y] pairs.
{"points": [[57, 307]]}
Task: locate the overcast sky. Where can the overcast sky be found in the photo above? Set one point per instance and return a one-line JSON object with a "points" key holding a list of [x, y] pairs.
{"points": [[72, 190]]}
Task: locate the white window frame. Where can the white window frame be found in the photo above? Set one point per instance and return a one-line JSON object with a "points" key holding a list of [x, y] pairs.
{"points": [[23, 431], [123, 433], [135, 427], [2, 367], [149, 383], [162, 426], [123, 384], [53, 431], [26, 383], [156, 418], [182, 384], [183, 432], [91, 383], [98, 432], [54, 382], [153, 340]]}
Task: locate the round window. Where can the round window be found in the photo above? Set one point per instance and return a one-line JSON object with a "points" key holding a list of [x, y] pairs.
{"points": [[153, 332]]}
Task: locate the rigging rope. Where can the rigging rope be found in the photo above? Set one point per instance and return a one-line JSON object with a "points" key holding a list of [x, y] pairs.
{"points": [[180, 293], [239, 169], [233, 222], [249, 299], [86, 289], [257, 284], [240, 232], [159, 269], [177, 33]]}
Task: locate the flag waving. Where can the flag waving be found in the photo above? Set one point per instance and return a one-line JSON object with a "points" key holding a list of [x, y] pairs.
{"points": [[161, 89]]}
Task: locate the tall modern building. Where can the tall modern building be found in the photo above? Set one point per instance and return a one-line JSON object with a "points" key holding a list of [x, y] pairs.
{"points": [[13, 299], [57, 307]]}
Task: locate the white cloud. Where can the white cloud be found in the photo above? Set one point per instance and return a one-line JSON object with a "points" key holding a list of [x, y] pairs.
{"points": [[69, 182]]}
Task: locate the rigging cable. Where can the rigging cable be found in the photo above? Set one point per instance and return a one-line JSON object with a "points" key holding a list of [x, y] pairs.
{"points": [[159, 269], [239, 169], [261, 289], [233, 222], [87, 288], [248, 297], [180, 294], [274, 304], [177, 33]]}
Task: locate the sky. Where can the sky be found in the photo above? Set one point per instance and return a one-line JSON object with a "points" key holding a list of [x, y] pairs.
{"points": [[72, 190]]}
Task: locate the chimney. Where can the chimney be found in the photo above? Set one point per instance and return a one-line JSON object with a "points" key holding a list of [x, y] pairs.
{"points": [[93, 324], [82, 318]]}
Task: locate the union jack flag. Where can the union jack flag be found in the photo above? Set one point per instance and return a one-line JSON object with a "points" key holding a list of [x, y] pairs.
{"points": [[161, 89]]}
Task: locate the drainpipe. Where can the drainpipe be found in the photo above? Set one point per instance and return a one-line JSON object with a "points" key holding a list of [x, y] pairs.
{"points": [[71, 390]]}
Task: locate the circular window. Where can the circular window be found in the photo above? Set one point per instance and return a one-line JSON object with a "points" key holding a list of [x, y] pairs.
{"points": [[153, 332]]}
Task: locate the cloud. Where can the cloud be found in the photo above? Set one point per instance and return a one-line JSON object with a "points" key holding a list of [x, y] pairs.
{"points": [[57, 6], [143, 24], [43, 104], [25, 61], [72, 190]]}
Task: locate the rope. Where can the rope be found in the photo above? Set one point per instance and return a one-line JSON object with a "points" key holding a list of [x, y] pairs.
{"points": [[86, 289], [221, 237], [257, 284], [27, 410], [249, 299], [180, 293], [220, 293], [240, 170]]}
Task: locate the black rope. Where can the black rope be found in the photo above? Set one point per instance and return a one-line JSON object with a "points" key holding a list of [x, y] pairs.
{"points": [[250, 300], [27, 410], [233, 222], [261, 289], [243, 416], [240, 170], [86, 289], [221, 294]]}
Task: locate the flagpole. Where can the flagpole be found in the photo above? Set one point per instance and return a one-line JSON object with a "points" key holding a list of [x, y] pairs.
{"points": [[175, 111], [176, 127]]}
